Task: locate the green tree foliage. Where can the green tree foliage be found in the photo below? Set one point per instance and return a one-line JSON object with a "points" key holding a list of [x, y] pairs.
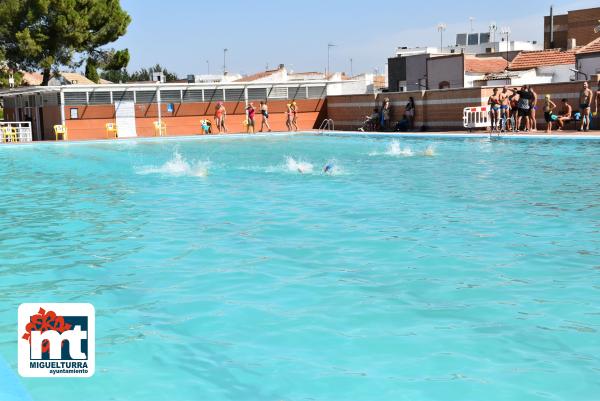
{"points": [[47, 34], [143, 74], [91, 71], [5, 75]]}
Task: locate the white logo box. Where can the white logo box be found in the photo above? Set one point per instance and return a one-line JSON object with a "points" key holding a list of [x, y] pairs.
{"points": [[81, 364]]}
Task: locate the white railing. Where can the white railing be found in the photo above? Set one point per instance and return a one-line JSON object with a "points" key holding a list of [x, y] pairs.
{"points": [[476, 117], [15, 131]]}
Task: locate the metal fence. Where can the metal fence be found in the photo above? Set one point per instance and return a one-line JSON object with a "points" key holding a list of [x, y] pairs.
{"points": [[100, 95]]}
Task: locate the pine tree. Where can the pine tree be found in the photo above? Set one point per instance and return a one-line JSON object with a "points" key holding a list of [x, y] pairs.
{"points": [[47, 34]]}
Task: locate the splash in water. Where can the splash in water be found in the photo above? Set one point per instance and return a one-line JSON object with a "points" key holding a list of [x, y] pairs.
{"points": [[296, 166], [430, 151], [394, 149], [178, 167]]}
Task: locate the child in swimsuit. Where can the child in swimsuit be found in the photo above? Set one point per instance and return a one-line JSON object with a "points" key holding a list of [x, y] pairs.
{"points": [[549, 106], [250, 111]]}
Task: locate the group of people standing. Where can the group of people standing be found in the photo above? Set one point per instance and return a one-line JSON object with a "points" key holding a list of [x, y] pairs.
{"points": [[514, 109], [250, 121], [380, 119]]}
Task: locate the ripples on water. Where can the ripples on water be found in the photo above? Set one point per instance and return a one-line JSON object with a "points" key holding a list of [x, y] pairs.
{"points": [[473, 274]]}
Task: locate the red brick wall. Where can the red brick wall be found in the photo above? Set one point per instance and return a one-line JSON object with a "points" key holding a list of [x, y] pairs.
{"points": [[437, 110], [185, 119]]}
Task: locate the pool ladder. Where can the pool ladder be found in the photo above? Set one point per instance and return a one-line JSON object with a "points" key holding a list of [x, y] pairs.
{"points": [[327, 125]]}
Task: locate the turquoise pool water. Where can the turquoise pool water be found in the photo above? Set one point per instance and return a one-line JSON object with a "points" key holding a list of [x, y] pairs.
{"points": [[233, 269]]}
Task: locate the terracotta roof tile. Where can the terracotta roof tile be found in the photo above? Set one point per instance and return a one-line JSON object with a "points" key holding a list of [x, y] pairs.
{"points": [[532, 59], [256, 76], [485, 65], [592, 47]]}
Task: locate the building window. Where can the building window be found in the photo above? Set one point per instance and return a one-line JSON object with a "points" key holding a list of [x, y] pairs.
{"points": [[444, 85]]}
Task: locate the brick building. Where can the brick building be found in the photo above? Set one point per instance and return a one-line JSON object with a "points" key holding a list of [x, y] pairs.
{"points": [[577, 25]]}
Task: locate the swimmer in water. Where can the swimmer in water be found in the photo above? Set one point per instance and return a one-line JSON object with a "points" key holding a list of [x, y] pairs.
{"points": [[328, 169]]}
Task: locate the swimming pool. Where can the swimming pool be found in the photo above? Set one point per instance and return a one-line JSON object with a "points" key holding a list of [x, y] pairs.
{"points": [[233, 269]]}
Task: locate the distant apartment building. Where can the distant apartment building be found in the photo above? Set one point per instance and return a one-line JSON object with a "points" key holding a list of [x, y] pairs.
{"points": [[587, 60], [575, 28], [407, 71]]}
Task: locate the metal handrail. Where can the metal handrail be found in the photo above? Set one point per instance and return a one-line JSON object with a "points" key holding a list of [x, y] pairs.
{"points": [[327, 125]]}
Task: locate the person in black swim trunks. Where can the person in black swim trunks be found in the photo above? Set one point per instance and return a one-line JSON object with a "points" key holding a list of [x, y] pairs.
{"points": [[585, 106], [524, 107], [264, 111]]}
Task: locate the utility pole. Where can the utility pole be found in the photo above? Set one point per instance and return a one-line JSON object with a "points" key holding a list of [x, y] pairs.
{"points": [[471, 19], [207, 67], [441, 28], [351, 69], [506, 31], [329, 47]]}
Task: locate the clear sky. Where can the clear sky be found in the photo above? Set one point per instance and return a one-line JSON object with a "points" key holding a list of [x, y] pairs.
{"points": [[182, 35]]}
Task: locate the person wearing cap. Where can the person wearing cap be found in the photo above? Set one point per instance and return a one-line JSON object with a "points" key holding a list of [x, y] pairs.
{"points": [[549, 106]]}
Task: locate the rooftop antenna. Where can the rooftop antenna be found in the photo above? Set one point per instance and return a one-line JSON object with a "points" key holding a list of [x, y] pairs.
{"points": [[471, 19], [493, 29], [441, 28]]}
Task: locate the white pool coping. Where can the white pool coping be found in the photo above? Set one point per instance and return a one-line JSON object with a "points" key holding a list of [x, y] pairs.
{"points": [[404, 135]]}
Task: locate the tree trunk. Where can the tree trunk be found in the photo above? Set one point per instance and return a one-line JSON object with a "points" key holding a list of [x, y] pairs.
{"points": [[46, 78]]}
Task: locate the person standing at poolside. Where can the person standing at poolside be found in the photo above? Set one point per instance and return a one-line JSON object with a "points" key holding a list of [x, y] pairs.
{"points": [[218, 116], [294, 109], [264, 111], [548, 113], [289, 117], [250, 111], [494, 103], [523, 106], [223, 116], [585, 107], [505, 109], [385, 114], [409, 112], [532, 109]]}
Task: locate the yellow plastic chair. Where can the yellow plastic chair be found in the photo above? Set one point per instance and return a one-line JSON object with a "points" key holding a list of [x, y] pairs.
{"points": [[60, 130], [160, 128], [9, 134], [111, 131]]}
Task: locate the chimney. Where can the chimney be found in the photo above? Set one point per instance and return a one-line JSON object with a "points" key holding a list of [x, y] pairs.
{"points": [[571, 44], [551, 27]]}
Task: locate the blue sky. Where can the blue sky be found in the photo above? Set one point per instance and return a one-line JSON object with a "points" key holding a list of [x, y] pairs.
{"points": [[183, 34]]}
